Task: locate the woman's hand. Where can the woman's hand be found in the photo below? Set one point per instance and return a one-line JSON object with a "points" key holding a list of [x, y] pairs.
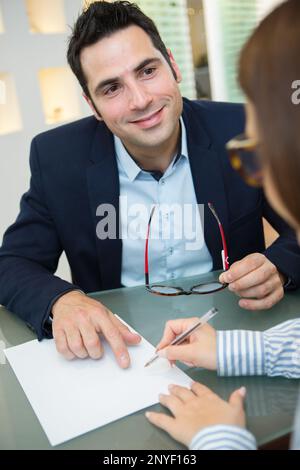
{"points": [[199, 349], [195, 409]]}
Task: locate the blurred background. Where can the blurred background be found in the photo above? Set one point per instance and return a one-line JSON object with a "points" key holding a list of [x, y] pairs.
{"points": [[38, 91]]}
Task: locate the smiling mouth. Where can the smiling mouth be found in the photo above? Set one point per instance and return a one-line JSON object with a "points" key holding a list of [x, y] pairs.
{"points": [[150, 121], [147, 118]]}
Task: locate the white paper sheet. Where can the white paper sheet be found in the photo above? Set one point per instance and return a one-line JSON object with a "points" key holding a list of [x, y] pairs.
{"points": [[71, 398]]}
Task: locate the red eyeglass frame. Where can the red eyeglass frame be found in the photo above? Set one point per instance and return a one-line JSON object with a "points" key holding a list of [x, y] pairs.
{"points": [[224, 252]]}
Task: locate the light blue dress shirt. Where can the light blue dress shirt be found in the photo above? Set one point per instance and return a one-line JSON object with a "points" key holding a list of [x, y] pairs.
{"points": [[176, 246]]}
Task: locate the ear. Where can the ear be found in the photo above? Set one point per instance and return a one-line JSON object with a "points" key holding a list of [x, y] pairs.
{"points": [[89, 102], [175, 66]]}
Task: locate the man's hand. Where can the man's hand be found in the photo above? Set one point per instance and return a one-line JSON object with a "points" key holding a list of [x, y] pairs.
{"points": [[256, 280], [78, 321], [195, 409], [199, 349]]}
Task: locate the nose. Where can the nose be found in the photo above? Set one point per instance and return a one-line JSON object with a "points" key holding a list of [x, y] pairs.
{"points": [[139, 98]]}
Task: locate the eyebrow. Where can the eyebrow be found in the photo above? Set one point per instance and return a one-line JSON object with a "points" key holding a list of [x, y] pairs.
{"points": [[112, 80]]}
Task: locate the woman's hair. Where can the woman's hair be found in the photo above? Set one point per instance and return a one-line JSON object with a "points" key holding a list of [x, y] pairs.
{"points": [[269, 66]]}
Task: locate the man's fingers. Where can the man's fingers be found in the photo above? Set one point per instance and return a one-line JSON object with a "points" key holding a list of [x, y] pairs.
{"points": [[91, 341], [115, 339], [264, 273], [62, 344], [243, 267], [261, 290], [160, 420], [83, 319], [262, 304], [75, 342], [129, 336]]}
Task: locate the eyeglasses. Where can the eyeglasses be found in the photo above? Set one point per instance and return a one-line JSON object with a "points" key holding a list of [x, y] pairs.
{"points": [[200, 289], [245, 160]]}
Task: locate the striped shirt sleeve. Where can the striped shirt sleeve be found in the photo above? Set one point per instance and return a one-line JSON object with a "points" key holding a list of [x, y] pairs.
{"points": [[273, 352], [223, 437], [282, 350]]}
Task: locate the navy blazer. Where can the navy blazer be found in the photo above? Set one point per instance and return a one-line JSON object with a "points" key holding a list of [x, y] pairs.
{"points": [[74, 169]]}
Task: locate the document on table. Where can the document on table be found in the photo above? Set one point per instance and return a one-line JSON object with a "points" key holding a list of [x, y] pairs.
{"points": [[71, 398]]}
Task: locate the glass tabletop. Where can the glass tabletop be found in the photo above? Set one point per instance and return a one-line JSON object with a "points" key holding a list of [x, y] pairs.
{"points": [[270, 403]]}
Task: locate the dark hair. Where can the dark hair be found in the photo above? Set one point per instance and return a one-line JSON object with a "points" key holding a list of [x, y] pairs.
{"points": [[269, 64], [102, 19]]}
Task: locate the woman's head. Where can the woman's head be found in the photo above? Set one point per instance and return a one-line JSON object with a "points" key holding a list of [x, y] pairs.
{"points": [[269, 65]]}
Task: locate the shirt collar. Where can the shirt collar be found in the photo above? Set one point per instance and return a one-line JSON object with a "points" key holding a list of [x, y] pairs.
{"points": [[131, 168]]}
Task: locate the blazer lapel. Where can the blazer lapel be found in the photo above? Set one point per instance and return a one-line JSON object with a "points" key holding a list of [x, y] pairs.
{"points": [[104, 188], [206, 168]]}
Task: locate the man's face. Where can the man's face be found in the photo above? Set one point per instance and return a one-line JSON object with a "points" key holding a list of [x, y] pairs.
{"points": [[133, 89]]}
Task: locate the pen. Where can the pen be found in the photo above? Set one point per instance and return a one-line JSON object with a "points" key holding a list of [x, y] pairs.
{"points": [[180, 338]]}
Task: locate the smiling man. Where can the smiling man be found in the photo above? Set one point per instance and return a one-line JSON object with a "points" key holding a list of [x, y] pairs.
{"points": [[144, 146], [138, 97]]}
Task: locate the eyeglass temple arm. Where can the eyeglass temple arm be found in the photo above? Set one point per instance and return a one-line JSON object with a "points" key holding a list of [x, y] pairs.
{"points": [[224, 251], [146, 248]]}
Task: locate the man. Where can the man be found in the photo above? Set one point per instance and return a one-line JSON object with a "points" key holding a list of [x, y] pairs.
{"points": [[144, 143]]}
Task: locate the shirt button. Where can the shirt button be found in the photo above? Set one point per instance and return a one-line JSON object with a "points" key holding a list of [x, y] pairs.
{"points": [[171, 251], [163, 182], [172, 276]]}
